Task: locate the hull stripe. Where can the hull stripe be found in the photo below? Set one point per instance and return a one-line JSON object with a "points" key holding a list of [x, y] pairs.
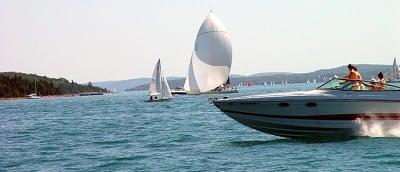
{"points": [[362, 116], [299, 128]]}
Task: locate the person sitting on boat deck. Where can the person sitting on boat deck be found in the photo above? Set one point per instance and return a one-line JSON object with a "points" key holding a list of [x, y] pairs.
{"points": [[378, 85], [382, 82], [354, 77]]}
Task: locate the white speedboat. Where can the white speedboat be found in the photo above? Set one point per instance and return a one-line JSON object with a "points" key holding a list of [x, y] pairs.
{"points": [[33, 96], [178, 90], [333, 109], [159, 89]]}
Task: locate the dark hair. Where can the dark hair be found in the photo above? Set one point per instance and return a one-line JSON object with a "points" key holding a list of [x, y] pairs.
{"points": [[380, 75], [350, 66]]}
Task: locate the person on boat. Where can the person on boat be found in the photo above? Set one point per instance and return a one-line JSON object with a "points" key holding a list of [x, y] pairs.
{"points": [[382, 82], [354, 77]]}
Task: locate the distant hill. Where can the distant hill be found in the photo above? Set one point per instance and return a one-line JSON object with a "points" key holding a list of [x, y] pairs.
{"points": [[123, 85], [236, 76], [366, 70], [13, 84], [270, 74]]}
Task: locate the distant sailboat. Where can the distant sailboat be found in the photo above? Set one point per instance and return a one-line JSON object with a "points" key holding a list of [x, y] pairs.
{"points": [[265, 83], [211, 59], [159, 89], [249, 83], [314, 81], [394, 74], [308, 81], [34, 95]]}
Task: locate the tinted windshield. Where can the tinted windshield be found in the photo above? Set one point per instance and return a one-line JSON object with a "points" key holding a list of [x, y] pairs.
{"points": [[357, 85]]}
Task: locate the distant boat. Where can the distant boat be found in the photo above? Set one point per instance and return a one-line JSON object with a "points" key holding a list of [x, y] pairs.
{"points": [[314, 81], [34, 95], [159, 88], [178, 90], [393, 76], [308, 81], [211, 60], [265, 83], [91, 93], [249, 84]]}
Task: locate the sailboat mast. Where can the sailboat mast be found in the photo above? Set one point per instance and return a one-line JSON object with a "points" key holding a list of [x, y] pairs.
{"points": [[35, 86], [161, 79]]}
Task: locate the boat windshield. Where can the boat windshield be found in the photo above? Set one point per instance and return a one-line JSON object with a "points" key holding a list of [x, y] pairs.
{"points": [[343, 84]]}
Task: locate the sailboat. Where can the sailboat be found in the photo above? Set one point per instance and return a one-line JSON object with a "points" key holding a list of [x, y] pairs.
{"points": [[211, 60], [159, 88], [394, 75], [34, 95], [314, 81]]}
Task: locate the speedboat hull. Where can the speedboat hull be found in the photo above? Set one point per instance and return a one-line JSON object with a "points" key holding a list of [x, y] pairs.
{"points": [[301, 115]]}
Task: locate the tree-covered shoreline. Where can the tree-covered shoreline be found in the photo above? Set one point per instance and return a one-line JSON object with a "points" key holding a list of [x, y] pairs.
{"points": [[15, 84]]}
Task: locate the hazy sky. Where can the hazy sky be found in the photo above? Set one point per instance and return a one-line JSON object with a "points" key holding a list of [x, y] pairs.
{"points": [[94, 40]]}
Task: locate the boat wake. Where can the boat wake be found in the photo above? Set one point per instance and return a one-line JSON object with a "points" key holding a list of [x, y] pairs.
{"points": [[378, 128]]}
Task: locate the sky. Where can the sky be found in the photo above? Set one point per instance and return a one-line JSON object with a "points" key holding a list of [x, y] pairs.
{"points": [[98, 40]]}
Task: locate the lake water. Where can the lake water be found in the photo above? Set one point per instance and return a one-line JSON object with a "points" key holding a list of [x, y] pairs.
{"points": [[121, 132]]}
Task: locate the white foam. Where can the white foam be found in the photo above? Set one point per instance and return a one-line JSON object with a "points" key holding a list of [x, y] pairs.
{"points": [[378, 128]]}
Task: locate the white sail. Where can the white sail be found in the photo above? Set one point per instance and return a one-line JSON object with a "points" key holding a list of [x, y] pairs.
{"points": [[166, 91], [159, 84], [211, 59], [155, 84]]}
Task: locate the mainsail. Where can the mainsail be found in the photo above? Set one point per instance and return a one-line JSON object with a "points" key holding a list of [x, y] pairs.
{"points": [[211, 59], [159, 84]]}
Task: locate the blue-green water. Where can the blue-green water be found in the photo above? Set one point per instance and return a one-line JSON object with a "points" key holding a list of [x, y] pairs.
{"points": [[121, 132]]}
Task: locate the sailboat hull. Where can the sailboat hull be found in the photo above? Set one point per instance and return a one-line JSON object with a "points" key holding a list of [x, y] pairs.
{"points": [[159, 100]]}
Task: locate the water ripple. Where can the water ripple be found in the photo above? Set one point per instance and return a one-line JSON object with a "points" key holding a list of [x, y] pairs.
{"points": [[122, 133]]}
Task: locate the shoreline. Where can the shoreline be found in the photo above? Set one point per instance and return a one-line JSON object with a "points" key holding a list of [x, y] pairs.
{"points": [[42, 97]]}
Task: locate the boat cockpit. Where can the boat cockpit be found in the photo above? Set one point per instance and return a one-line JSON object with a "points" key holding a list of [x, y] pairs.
{"points": [[343, 84]]}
